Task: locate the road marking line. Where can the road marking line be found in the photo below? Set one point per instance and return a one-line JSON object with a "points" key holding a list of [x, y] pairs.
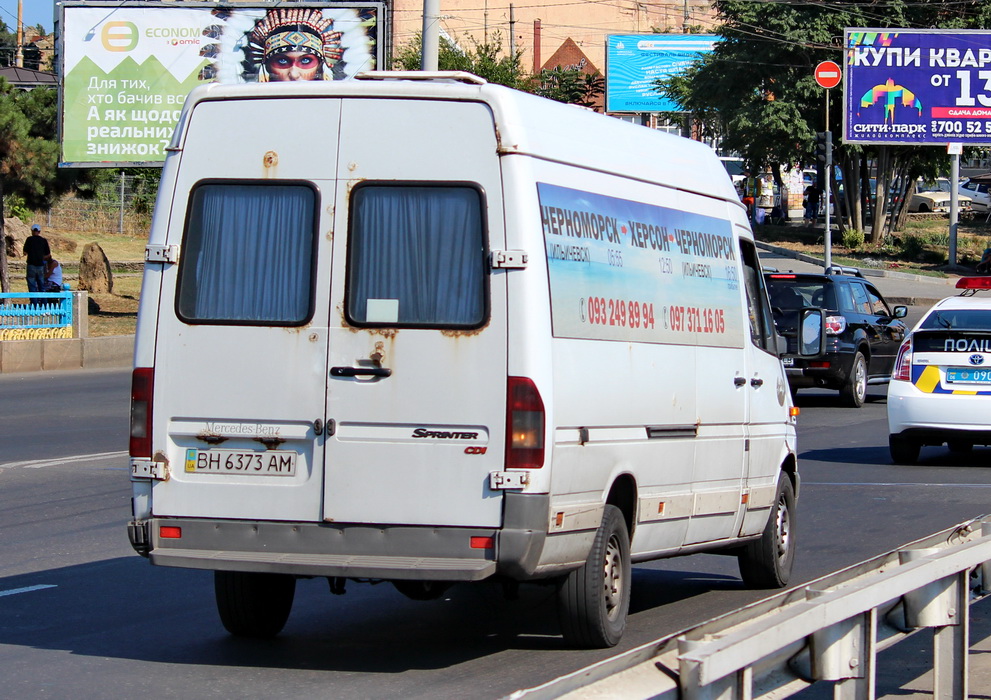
{"points": [[40, 463], [28, 589], [874, 483]]}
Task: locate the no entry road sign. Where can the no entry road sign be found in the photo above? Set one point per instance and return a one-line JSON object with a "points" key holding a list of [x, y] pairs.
{"points": [[828, 74]]}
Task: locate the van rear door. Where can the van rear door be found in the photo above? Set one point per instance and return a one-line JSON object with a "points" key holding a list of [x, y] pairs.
{"points": [[242, 336], [417, 380]]}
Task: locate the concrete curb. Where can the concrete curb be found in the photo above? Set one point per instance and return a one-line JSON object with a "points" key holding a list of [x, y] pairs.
{"points": [[66, 353]]}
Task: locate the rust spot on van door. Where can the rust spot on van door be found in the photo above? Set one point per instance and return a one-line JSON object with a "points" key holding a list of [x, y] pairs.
{"points": [[272, 442], [211, 438], [270, 161]]}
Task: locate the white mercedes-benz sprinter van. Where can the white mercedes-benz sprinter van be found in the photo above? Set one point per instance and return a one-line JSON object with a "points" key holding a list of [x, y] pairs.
{"points": [[420, 328]]}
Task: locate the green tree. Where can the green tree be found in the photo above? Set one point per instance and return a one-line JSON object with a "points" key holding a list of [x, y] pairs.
{"points": [[486, 60], [28, 155], [489, 61], [569, 85], [757, 88]]}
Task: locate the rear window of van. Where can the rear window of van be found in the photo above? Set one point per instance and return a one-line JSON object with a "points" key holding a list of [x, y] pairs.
{"points": [[416, 257], [248, 255]]}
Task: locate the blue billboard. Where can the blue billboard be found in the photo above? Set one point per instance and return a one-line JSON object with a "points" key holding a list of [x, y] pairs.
{"points": [[917, 87], [634, 62]]}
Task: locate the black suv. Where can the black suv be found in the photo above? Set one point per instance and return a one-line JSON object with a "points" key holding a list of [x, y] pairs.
{"points": [[862, 332]]}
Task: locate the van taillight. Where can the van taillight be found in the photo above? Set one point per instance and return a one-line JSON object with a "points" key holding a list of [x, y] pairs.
{"points": [[903, 363], [142, 383], [524, 425]]}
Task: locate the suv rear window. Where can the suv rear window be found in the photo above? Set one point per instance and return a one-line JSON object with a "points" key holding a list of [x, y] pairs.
{"points": [[247, 255], [796, 293], [416, 257]]}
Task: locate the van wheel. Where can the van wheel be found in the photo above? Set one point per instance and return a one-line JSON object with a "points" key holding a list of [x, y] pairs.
{"points": [[767, 562], [593, 601], [903, 450], [422, 590], [854, 392], [253, 604]]}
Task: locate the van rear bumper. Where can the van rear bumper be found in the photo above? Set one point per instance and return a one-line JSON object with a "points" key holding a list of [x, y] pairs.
{"points": [[350, 551]]}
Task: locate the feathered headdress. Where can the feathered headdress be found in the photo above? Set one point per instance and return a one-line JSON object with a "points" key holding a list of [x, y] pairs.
{"points": [[302, 30]]}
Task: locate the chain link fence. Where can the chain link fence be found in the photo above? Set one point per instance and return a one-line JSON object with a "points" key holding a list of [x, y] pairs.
{"points": [[122, 207]]}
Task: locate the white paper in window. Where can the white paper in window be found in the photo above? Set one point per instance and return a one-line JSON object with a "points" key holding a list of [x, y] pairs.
{"points": [[382, 311]]}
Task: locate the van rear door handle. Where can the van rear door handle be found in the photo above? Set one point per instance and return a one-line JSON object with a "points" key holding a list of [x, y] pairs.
{"points": [[739, 381], [756, 382], [360, 372]]}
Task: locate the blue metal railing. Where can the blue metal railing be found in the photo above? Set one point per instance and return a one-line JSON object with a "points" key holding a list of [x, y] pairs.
{"points": [[34, 312]]}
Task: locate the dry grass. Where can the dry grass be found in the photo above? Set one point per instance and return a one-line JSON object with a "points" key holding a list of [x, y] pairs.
{"points": [[110, 314]]}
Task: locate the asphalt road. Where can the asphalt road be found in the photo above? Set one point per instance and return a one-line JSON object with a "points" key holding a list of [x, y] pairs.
{"points": [[82, 616]]}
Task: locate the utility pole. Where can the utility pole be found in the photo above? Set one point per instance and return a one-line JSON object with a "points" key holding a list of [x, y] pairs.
{"points": [[430, 35], [19, 56], [512, 30]]}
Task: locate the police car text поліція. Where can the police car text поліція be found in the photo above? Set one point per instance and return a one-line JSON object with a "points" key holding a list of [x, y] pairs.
{"points": [[940, 389]]}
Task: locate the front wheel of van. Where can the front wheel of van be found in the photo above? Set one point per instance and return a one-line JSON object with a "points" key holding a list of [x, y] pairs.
{"points": [[767, 562], [253, 604], [593, 601]]}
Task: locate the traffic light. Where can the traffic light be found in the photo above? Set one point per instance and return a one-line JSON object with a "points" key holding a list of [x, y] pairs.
{"points": [[824, 156], [824, 147]]}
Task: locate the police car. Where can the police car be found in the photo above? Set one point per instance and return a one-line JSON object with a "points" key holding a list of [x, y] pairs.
{"points": [[940, 389]]}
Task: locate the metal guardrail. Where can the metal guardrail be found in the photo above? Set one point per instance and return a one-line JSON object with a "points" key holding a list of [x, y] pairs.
{"points": [[828, 630], [30, 315]]}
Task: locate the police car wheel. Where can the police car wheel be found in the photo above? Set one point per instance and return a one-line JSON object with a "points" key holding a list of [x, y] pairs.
{"points": [[903, 450], [253, 604]]}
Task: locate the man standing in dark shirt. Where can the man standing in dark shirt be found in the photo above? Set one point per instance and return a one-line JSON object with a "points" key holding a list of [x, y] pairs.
{"points": [[38, 254]]}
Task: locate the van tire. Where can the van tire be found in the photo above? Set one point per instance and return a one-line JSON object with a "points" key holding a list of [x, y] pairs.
{"points": [[253, 604], [593, 601], [854, 391], [767, 562]]}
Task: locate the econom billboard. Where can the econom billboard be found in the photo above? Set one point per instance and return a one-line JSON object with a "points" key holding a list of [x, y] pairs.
{"points": [[127, 68], [635, 62], [917, 87]]}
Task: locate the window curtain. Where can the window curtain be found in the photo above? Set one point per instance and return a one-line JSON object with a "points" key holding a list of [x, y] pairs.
{"points": [[248, 254], [422, 246]]}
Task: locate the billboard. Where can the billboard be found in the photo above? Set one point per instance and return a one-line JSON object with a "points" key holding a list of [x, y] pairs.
{"points": [[127, 68], [634, 62], [917, 86]]}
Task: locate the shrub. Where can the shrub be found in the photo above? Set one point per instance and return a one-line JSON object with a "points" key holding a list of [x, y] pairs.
{"points": [[911, 247], [13, 205], [852, 238]]}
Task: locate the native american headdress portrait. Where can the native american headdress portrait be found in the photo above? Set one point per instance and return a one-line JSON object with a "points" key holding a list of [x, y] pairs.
{"points": [[301, 31]]}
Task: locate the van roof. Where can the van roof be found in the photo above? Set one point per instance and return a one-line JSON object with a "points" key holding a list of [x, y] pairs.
{"points": [[525, 124]]}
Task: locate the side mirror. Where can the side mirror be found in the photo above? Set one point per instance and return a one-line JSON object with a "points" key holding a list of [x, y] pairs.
{"points": [[901, 311], [811, 333]]}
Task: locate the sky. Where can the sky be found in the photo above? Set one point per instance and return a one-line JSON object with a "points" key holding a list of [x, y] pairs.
{"points": [[35, 12]]}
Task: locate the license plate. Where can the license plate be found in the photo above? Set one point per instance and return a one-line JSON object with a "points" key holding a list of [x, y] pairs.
{"points": [[267, 463], [966, 375], [788, 361]]}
